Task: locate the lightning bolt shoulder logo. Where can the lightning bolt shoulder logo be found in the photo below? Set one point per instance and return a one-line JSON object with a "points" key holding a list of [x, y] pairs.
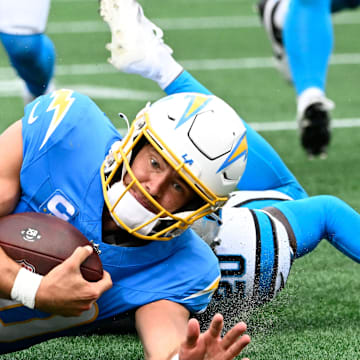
{"points": [[32, 118], [60, 105]]}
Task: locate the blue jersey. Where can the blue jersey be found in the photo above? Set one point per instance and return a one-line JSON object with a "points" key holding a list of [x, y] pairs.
{"points": [[65, 139]]}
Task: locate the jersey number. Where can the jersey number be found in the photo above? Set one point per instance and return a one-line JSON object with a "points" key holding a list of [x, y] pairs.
{"points": [[60, 206], [232, 267]]}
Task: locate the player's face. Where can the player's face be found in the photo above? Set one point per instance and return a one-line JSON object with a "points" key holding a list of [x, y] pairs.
{"points": [[161, 181]]}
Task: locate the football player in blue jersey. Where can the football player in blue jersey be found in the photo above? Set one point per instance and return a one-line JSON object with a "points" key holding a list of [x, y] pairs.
{"points": [[136, 198], [261, 229], [301, 35], [30, 51]]}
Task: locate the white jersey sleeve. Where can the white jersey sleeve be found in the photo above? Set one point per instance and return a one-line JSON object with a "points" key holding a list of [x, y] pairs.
{"points": [[255, 255], [254, 248]]}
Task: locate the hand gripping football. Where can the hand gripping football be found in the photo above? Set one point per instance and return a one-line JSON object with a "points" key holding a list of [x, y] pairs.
{"points": [[39, 242]]}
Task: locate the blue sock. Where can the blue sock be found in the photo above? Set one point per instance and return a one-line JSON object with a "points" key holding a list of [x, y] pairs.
{"points": [[323, 217], [308, 41], [33, 57]]}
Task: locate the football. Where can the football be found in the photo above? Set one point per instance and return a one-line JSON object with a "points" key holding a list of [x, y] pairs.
{"points": [[39, 242]]}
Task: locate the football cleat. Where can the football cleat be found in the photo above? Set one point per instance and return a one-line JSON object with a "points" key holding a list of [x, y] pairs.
{"points": [[137, 45], [314, 123], [266, 10]]}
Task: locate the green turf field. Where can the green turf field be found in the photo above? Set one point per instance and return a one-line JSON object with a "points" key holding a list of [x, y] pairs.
{"points": [[317, 315]]}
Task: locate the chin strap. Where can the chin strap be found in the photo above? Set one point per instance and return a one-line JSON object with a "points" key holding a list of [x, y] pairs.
{"points": [[129, 210]]}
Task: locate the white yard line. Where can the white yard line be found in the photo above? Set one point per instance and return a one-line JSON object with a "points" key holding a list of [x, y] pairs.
{"points": [[12, 88], [291, 125], [7, 73], [186, 23], [102, 92]]}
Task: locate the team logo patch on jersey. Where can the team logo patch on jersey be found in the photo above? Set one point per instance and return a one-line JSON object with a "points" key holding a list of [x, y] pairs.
{"points": [[59, 205], [60, 105]]}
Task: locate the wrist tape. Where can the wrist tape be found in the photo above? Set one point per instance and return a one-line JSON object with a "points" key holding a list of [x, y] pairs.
{"points": [[25, 286]]}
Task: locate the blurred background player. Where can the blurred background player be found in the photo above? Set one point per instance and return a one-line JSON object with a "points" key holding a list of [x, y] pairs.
{"points": [[30, 51], [301, 35]]}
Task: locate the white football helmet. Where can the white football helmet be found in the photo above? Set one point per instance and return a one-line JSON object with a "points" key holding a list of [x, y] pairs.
{"points": [[199, 136]]}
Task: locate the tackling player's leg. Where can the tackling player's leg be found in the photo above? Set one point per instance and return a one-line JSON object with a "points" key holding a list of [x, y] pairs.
{"points": [[323, 217]]}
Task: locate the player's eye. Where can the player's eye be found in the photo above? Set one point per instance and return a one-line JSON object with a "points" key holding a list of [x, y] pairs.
{"points": [[154, 163], [178, 187]]}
